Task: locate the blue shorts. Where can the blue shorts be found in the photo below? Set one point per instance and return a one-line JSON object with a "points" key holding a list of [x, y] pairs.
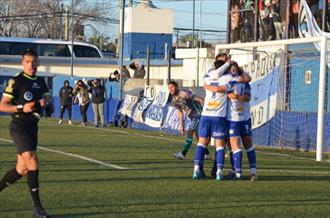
{"points": [[240, 128], [215, 127]]}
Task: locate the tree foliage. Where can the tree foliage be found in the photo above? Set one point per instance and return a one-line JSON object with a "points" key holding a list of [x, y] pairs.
{"points": [[46, 18]]}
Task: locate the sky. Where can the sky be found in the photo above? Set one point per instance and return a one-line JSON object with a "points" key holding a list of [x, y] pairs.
{"points": [[212, 16]]}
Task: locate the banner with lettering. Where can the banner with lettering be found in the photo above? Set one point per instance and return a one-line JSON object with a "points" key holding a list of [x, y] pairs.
{"points": [[140, 108], [129, 105], [3, 83], [263, 97], [155, 113], [172, 121]]}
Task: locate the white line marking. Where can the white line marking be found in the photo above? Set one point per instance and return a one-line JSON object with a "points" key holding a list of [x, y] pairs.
{"points": [[295, 171], [176, 140], [122, 131], [287, 155], [76, 156]]}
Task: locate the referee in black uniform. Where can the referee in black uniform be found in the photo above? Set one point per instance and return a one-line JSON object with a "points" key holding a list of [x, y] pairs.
{"points": [[25, 96]]}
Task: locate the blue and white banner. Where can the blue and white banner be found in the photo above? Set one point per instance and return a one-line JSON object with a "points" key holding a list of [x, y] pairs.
{"points": [[172, 119], [3, 83], [129, 105], [155, 113], [141, 106], [308, 26], [263, 98]]}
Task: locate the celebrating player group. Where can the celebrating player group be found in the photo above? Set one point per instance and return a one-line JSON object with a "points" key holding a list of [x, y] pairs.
{"points": [[225, 117]]}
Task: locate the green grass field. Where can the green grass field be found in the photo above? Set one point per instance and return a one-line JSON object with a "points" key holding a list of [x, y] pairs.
{"points": [[153, 183]]}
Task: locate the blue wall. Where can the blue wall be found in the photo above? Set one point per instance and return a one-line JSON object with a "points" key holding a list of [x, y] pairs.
{"points": [[136, 45], [111, 104], [304, 97]]}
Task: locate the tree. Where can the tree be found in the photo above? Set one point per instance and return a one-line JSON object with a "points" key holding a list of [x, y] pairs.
{"points": [[45, 18], [188, 38], [100, 41]]}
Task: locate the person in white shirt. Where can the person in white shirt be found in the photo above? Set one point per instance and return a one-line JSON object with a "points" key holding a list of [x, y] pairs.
{"points": [[239, 120], [213, 121]]}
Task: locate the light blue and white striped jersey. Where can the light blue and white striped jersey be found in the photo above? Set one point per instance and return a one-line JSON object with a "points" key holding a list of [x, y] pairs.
{"points": [[215, 103], [237, 110]]}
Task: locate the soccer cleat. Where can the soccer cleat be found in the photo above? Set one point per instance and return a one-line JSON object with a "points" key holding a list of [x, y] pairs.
{"points": [[196, 175], [202, 174], [69, 122], [60, 121], [219, 176], [39, 212], [83, 124], [213, 171], [237, 176], [96, 126], [179, 156], [253, 177], [231, 175]]}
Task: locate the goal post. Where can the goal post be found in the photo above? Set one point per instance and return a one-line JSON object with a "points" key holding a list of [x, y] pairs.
{"points": [[322, 44]]}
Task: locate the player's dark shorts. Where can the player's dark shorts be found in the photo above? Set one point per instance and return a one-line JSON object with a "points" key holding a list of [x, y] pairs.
{"points": [[24, 135], [215, 127], [194, 123], [240, 128]]}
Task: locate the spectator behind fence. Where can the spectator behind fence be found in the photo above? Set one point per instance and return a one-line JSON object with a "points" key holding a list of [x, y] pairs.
{"points": [[98, 98], [80, 92], [275, 10], [314, 6], [125, 74], [295, 14], [139, 71], [247, 19], [66, 94], [114, 77], [235, 19], [267, 25]]}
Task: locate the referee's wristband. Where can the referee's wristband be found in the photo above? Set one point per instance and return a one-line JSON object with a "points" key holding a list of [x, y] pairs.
{"points": [[19, 108]]}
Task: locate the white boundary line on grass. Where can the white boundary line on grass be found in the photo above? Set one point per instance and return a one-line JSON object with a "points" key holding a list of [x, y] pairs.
{"points": [[119, 131], [176, 140], [290, 156], [76, 156], [294, 171]]}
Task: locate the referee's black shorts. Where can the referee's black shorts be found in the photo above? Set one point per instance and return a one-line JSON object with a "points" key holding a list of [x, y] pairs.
{"points": [[24, 135]]}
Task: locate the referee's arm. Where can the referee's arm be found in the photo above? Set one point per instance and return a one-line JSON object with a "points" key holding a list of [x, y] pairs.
{"points": [[7, 106]]}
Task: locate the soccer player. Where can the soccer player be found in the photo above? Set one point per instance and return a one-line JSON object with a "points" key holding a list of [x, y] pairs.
{"points": [[186, 101], [24, 97], [213, 120], [244, 78], [66, 94], [239, 118]]}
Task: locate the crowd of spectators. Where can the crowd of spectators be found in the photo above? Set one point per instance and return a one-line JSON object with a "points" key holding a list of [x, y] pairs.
{"points": [[271, 19]]}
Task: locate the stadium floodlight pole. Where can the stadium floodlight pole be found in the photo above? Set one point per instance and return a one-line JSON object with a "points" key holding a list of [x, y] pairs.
{"points": [[72, 38], [121, 54], [322, 92], [193, 28], [322, 41], [200, 24], [148, 65]]}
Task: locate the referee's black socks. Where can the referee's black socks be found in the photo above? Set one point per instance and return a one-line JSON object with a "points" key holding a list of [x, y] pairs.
{"points": [[9, 178], [33, 183]]}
